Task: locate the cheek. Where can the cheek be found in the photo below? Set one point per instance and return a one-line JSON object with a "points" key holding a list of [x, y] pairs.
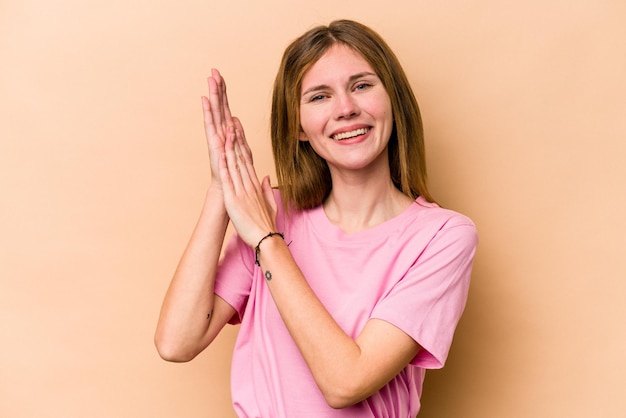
{"points": [[388, 108], [311, 123]]}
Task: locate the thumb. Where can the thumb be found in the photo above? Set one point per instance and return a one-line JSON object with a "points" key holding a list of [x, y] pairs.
{"points": [[268, 193]]}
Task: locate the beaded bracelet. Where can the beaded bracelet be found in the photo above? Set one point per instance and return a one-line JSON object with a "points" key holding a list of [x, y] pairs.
{"points": [[257, 250]]}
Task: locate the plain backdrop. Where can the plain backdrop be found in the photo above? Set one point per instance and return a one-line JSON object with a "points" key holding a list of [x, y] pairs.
{"points": [[103, 168]]}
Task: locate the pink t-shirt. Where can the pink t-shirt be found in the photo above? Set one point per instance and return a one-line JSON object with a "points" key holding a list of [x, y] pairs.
{"points": [[412, 271]]}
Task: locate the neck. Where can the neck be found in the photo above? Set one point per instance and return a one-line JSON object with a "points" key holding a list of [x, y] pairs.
{"points": [[358, 202]]}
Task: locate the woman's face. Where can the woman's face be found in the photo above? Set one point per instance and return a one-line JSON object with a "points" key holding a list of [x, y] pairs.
{"points": [[345, 111]]}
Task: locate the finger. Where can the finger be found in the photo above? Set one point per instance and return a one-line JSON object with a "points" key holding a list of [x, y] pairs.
{"points": [[243, 148], [246, 168], [268, 194], [232, 161], [242, 138], [222, 99], [209, 124], [215, 101], [225, 106], [226, 181]]}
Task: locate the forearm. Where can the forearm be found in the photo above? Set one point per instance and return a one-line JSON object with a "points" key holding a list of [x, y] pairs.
{"points": [[183, 327], [334, 358]]}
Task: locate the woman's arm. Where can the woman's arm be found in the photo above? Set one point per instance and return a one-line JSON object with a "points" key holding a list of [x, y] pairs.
{"points": [[192, 315], [346, 370]]}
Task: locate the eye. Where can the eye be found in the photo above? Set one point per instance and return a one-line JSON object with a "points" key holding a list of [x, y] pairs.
{"points": [[317, 97], [362, 86]]}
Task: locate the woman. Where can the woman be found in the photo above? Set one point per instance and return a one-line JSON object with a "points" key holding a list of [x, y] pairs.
{"points": [[348, 280]]}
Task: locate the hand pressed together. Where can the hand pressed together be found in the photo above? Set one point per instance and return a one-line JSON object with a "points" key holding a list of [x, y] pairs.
{"points": [[217, 119], [250, 205]]}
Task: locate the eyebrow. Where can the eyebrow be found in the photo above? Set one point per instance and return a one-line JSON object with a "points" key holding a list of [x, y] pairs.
{"points": [[351, 79]]}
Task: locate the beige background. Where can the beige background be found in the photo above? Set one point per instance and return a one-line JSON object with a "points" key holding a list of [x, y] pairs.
{"points": [[103, 167]]}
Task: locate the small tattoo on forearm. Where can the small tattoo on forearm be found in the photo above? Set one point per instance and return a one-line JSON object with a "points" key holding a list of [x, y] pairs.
{"points": [[268, 275]]}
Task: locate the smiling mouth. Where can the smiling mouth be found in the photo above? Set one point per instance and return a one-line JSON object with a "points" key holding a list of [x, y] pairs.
{"points": [[350, 134]]}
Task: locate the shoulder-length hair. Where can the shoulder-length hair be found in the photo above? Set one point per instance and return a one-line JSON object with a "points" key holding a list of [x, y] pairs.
{"points": [[303, 176]]}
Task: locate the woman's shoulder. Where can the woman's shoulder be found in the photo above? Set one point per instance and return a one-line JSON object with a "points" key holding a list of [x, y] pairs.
{"points": [[432, 212], [430, 219]]}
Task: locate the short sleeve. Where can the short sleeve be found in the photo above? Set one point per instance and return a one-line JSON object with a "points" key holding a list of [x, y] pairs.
{"points": [[233, 280], [428, 301]]}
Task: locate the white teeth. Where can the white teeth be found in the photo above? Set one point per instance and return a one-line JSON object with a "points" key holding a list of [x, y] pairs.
{"points": [[345, 135]]}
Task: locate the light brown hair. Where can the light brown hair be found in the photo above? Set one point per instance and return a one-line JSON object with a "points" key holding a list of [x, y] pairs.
{"points": [[303, 176]]}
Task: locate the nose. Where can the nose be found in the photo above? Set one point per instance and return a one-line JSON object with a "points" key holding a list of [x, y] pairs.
{"points": [[345, 106]]}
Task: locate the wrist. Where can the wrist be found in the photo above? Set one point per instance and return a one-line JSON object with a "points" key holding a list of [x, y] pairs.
{"points": [[215, 189], [271, 236], [214, 200], [214, 194]]}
